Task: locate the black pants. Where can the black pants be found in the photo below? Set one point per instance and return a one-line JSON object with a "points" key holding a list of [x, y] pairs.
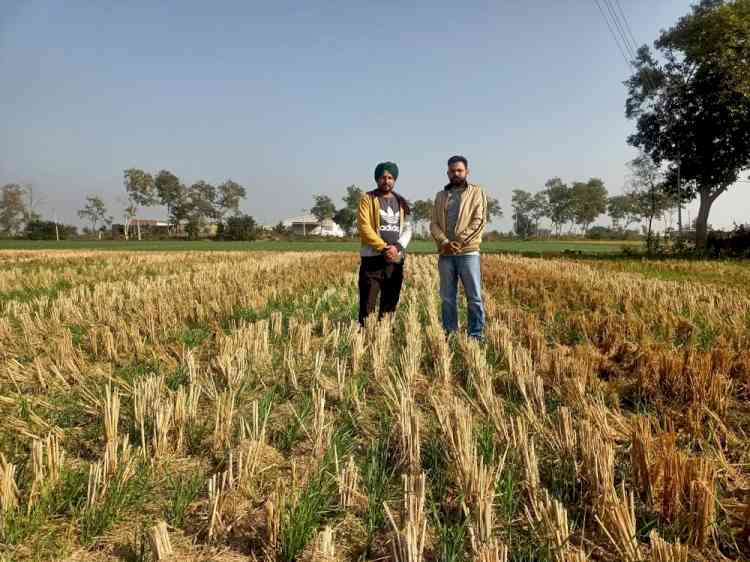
{"points": [[378, 277]]}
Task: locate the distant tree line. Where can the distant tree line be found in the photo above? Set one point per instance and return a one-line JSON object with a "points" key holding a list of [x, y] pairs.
{"points": [[189, 207], [576, 206]]}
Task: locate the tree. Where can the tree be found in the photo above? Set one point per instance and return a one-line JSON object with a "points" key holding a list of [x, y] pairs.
{"points": [[559, 205], [201, 207], [239, 228], [421, 212], [13, 210], [346, 219], [48, 230], [141, 192], [172, 194], [94, 212], [352, 197], [538, 208], [494, 210], [229, 194], [653, 201], [522, 203], [625, 209], [33, 200], [589, 201], [692, 111], [718, 33], [323, 208]]}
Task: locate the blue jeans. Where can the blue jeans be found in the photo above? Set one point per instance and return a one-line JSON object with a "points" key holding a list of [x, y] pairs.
{"points": [[466, 268]]}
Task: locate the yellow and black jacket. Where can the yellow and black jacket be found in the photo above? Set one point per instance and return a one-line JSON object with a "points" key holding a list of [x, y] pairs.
{"points": [[368, 224]]}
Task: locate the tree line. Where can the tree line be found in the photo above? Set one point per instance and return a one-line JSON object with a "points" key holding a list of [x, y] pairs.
{"points": [[346, 216], [195, 206], [580, 204]]}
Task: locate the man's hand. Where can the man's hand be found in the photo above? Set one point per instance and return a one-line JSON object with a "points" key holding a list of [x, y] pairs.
{"points": [[445, 248], [454, 246], [391, 254]]}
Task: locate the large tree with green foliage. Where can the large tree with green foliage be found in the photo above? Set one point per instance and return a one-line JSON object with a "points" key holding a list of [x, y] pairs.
{"points": [[522, 202], [422, 213], [229, 195], [141, 192], [692, 105], [323, 208], [494, 210], [588, 201], [172, 194], [94, 212], [624, 210], [13, 210], [346, 216], [559, 205], [653, 202]]}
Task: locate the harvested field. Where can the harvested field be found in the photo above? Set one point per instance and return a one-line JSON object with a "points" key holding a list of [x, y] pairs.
{"points": [[225, 406]]}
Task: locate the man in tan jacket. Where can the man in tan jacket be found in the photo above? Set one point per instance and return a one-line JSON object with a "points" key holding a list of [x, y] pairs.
{"points": [[458, 220]]}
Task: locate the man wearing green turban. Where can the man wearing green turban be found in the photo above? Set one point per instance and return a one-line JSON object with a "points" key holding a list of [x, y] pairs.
{"points": [[384, 223]]}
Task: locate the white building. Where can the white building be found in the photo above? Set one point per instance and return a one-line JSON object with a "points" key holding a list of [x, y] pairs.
{"points": [[328, 228], [309, 224]]}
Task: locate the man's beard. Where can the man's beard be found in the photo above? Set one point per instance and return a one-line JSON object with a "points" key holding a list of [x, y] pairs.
{"points": [[456, 182]]}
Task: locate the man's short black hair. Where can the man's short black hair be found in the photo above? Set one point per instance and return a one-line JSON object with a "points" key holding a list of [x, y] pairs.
{"points": [[456, 159]]}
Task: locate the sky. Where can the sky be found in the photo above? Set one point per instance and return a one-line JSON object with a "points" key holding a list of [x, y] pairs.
{"points": [[293, 99]]}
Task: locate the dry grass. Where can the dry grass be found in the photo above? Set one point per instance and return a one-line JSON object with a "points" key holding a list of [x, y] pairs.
{"points": [[227, 406]]}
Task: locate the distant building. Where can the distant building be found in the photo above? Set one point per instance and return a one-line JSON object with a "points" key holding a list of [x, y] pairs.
{"points": [[328, 228], [150, 226], [310, 225]]}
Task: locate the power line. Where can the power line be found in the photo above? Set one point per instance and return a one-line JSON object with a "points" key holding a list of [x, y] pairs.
{"points": [[613, 34], [620, 29], [627, 25]]}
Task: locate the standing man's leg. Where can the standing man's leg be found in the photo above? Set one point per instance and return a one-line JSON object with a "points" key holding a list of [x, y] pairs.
{"points": [[470, 271], [370, 281], [448, 292], [392, 281]]}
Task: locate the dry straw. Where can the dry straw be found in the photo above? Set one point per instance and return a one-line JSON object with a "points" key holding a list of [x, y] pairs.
{"points": [[8, 488], [662, 551], [47, 458], [325, 546], [409, 538], [348, 479], [618, 523], [224, 419], [548, 518], [158, 537]]}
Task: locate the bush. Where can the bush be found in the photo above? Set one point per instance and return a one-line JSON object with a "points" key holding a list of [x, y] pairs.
{"points": [[607, 233], [239, 228], [735, 243], [46, 230]]}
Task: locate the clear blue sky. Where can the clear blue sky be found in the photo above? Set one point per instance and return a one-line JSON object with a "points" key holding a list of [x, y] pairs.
{"points": [[296, 98]]}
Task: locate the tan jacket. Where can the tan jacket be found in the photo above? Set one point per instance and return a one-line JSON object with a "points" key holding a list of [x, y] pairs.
{"points": [[472, 218]]}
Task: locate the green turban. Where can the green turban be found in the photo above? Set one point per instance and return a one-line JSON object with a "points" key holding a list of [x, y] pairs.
{"points": [[383, 167]]}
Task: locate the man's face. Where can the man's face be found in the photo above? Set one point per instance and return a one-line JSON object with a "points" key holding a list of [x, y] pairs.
{"points": [[386, 182], [457, 173]]}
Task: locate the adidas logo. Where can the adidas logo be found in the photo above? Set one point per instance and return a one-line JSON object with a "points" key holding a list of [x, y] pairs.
{"points": [[389, 217]]}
